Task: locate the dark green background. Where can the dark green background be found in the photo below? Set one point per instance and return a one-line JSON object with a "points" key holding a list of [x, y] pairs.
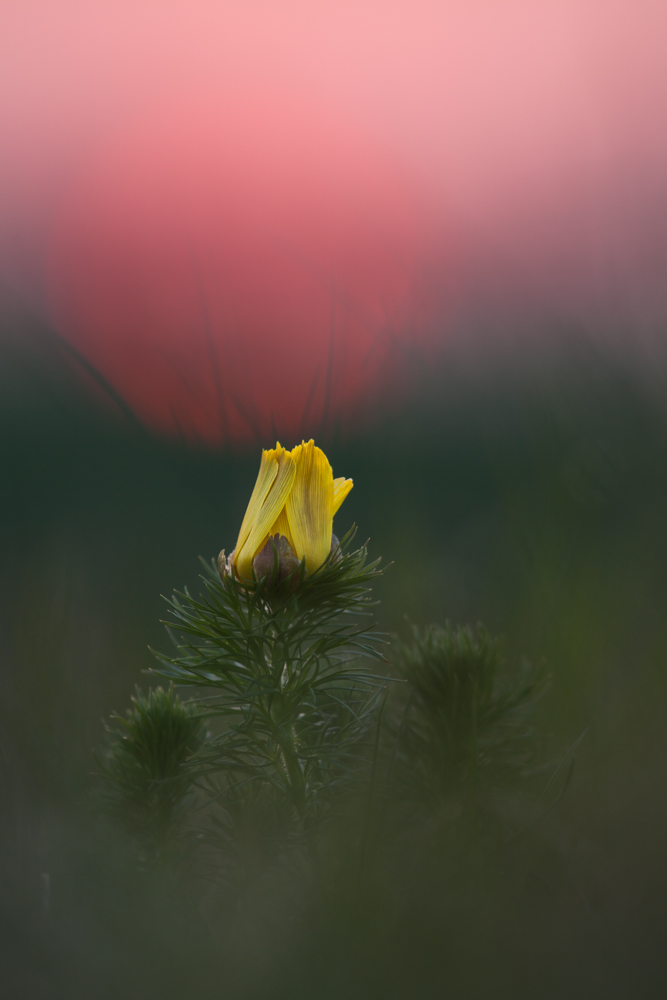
{"points": [[521, 487]]}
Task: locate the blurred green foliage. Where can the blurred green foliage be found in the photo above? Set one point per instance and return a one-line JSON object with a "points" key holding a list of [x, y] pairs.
{"points": [[526, 491], [146, 784], [461, 716]]}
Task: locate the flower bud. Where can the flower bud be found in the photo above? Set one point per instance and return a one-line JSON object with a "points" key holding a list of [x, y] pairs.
{"points": [[275, 560], [290, 514]]}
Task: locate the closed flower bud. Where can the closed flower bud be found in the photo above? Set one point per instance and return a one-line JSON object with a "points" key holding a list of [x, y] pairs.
{"points": [[290, 515], [276, 560]]}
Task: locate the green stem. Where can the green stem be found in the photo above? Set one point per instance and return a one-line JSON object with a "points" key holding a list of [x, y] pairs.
{"points": [[365, 837]]}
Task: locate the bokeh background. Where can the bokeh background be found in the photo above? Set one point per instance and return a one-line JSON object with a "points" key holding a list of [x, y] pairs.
{"points": [[434, 236]]}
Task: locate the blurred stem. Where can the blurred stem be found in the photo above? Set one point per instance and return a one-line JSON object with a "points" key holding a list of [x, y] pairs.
{"points": [[295, 776], [285, 737], [368, 818]]}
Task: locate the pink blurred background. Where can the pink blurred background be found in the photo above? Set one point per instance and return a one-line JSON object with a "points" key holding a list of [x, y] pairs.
{"points": [[252, 217]]}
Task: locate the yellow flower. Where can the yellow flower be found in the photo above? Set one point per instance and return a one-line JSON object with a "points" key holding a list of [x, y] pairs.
{"points": [[295, 497]]}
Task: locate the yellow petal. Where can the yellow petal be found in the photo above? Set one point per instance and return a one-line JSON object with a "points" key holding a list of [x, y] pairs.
{"points": [[264, 509], [342, 487], [281, 527], [268, 470], [309, 505]]}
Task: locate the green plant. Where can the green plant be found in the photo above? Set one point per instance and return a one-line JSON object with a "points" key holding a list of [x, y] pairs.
{"points": [[280, 670], [462, 715], [147, 784]]}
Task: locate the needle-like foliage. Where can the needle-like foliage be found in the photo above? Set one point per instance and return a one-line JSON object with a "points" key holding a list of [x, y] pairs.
{"points": [[147, 785], [277, 668], [461, 716], [281, 668]]}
